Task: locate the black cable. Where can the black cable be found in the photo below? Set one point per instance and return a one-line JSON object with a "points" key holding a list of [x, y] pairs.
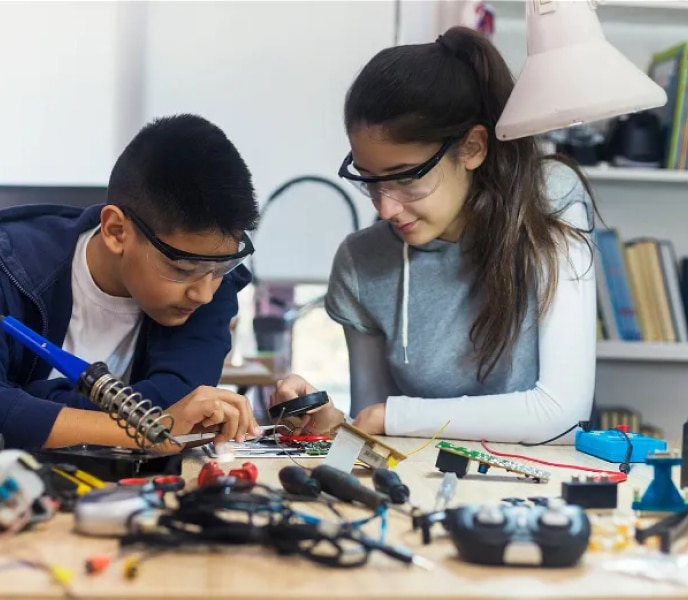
{"points": [[555, 438], [625, 466], [307, 179], [201, 517]]}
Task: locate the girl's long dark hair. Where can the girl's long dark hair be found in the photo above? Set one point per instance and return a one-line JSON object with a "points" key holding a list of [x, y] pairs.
{"points": [[431, 92]]}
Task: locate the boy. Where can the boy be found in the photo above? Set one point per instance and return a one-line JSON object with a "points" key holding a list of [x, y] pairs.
{"points": [[147, 284]]}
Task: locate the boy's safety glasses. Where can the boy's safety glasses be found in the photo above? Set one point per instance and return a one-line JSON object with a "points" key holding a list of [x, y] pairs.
{"points": [[410, 185], [185, 267]]}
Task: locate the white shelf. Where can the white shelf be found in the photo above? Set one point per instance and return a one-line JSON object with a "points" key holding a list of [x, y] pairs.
{"points": [[612, 350], [656, 4], [668, 176]]}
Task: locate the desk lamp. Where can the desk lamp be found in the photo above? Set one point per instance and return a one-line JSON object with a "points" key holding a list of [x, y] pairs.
{"points": [[573, 75]]}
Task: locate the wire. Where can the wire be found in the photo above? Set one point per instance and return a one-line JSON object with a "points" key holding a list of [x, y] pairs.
{"points": [[613, 475], [430, 441], [554, 439], [625, 466]]}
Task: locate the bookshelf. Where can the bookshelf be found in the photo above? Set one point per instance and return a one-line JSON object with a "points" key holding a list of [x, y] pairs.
{"points": [[613, 350], [644, 4], [664, 176], [651, 378]]}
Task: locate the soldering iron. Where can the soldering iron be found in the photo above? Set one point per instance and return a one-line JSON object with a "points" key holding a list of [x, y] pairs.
{"points": [[142, 421]]}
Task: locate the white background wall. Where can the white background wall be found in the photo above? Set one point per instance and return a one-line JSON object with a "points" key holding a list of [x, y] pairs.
{"points": [[59, 78], [77, 80]]}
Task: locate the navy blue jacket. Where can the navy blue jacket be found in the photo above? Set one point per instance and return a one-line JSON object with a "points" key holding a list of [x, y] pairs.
{"points": [[37, 244]]}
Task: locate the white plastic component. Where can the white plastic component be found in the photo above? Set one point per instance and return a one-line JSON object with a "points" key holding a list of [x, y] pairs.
{"points": [[30, 486], [523, 553]]}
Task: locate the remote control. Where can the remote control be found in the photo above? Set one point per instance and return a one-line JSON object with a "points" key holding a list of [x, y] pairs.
{"points": [[541, 536]]}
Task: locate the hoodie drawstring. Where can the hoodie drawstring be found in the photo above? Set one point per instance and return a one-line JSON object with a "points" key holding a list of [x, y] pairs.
{"points": [[404, 305]]}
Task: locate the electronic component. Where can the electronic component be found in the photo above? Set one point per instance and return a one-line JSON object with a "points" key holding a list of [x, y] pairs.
{"points": [[456, 459], [351, 444], [503, 534], [296, 480], [591, 491], [109, 511], [346, 487], [298, 406], [661, 495], [618, 446], [23, 496], [113, 464], [387, 482], [142, 421]]}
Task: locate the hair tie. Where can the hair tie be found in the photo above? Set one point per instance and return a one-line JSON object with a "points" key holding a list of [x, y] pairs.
{"points": [[446, 44]]}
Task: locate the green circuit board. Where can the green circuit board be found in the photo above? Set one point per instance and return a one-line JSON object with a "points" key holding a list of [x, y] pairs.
{"points": [[490, 460]]}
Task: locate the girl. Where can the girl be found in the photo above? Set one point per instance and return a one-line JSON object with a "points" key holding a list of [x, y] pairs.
{"points": [[472, 300]]}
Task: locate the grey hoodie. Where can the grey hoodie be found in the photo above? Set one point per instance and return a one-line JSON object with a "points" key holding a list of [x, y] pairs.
{"points": [[416, 302]]}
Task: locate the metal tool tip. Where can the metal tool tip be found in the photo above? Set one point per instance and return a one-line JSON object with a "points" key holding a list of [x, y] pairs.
{"points": [[423, 563]]}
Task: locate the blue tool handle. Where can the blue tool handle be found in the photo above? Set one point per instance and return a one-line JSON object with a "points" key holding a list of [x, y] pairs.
{"points": [[69, 365]]}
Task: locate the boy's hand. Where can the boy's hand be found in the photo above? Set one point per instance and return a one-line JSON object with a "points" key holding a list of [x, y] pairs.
{"points": [[212, 409], [320, 420]]}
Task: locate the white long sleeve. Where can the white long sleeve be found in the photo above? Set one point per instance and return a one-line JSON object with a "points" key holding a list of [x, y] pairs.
{"points": [[561, 397]]}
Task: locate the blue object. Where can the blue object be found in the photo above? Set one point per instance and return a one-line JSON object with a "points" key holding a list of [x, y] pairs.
{"points": [[611, 445], [69, 365], [661, 495]]}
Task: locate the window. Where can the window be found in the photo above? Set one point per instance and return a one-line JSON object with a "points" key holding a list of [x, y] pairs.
{"points": [[318, 347]]}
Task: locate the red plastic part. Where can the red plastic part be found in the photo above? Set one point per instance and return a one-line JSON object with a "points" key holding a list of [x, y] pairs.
{"points": [[248, 472], [623, 427], [209, 474]]}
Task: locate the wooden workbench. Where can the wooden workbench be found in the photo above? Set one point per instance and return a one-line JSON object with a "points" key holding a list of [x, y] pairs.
{"points": [[255, 573]]}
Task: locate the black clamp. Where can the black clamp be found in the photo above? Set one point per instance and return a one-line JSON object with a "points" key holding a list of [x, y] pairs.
{"points": [[669, 530]]}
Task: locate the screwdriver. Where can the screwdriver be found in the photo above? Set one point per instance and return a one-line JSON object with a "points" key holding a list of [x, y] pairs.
{"points": [[296, 480], [387, 482], [346, 487]]}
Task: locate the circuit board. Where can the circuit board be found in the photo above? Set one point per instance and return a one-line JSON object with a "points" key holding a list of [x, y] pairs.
{"points": [[486, 460], [283, 446]]}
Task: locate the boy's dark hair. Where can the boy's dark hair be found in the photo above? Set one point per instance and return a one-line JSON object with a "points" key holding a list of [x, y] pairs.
{"points": [[181, 173], [441, 90]]}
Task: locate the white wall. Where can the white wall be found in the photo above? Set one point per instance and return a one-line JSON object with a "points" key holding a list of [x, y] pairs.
{"points": [[273, 75], [61, 85]]}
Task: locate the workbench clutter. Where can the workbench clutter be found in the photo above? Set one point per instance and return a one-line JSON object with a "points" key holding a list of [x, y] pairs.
{"points": [[339, 518]]}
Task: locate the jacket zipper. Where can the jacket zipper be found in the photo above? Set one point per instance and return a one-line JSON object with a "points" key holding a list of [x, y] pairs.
{"points": [[44, 317]]}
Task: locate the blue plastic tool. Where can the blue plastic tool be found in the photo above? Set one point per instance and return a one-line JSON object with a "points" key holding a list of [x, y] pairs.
{"points": [[69, 365], [611, 445], [661, 495]]}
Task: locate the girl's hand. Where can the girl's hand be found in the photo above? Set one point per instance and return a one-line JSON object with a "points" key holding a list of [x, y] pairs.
{"points": [[372, 419], [321, 420]]}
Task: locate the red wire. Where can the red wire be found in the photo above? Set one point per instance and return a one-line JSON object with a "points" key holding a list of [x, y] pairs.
{"points": [[613, 475]]}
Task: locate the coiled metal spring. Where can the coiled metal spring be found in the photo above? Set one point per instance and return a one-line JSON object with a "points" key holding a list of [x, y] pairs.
{"points": [[142, 422]]}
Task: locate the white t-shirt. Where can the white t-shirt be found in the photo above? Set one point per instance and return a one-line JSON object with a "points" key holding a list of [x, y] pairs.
{"points": [[102, 327]]}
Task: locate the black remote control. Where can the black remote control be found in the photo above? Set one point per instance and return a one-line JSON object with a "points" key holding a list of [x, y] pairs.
{"points": [[539, 536]]}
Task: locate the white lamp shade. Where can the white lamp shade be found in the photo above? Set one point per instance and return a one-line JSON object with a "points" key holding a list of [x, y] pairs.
{"points": [[572, 74]]}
